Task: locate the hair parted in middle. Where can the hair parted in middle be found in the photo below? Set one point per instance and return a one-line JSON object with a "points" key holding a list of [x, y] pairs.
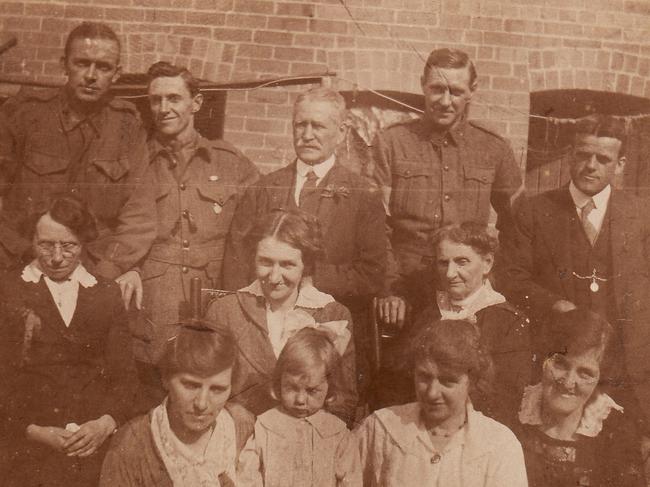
{"points": [[307, 349], [296, 228], [199, 348], [470, 233], [163, 69], [454, 346], [69, 211]]}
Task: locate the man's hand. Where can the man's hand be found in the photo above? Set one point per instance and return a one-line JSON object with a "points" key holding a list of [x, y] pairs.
{"points": [[391, 310], [131, 286], [562, 306], [89, 437], [50, 436]]}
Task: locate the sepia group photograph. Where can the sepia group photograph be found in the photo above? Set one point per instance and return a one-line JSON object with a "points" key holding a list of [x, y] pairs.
{"points": [[325, 243]]}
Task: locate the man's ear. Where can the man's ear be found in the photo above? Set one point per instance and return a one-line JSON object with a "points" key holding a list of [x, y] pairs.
{"points": [[197, 102], [620, 165], [118, 73], [64, 65]]}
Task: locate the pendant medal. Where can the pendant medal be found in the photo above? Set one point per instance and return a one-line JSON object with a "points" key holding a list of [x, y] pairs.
{"points": [[594, 287]]}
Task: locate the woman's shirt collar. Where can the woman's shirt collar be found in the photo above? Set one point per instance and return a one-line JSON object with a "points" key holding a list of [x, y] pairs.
{"points": [[308, 295], [466, 309], [594, 413], [31, 273]]}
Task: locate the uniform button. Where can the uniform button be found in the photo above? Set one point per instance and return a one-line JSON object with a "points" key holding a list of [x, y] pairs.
{"points": [[447, 197], [186, 244], [407, 172], [436, 217], [446, 168], [182, 186], [73, 190], [185, 270], [186, 213], [445, 143], [436, 458]]}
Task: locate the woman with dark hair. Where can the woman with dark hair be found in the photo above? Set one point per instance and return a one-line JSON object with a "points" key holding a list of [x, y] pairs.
{"points": [[572, 432], [464, 257], [193, 438], [65, 356], [440, 439], [281, 301]]}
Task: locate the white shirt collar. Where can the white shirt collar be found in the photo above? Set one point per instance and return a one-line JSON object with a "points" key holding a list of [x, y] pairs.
{"points": [[321, 169], [31, 273], [308, 295], [600, 199]]}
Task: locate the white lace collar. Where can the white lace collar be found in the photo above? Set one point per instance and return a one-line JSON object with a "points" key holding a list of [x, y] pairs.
{"points": [[308, 295], [595, 411], [31, 273], [466, 310]]}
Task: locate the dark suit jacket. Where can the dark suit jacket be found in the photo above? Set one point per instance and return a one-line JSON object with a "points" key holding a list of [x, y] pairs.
{"points": [[535, 269], [352, 225]]}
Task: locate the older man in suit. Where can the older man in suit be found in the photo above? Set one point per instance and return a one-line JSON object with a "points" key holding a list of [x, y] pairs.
{"points": [[350, 212], [588, 245]]}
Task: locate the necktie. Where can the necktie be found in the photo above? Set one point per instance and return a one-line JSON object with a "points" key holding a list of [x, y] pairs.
{"points": [[590, 230], [308, 188]]}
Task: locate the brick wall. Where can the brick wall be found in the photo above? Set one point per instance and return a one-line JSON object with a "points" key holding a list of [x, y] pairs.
{"points": [[519, 46]]}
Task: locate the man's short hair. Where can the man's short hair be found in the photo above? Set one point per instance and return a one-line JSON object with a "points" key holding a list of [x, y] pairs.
{"points": [[602, 126], [163, 69], [450, 58], [328, 95], [91, 30]]}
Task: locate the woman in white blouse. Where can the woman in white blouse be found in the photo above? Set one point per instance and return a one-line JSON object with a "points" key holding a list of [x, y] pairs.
{"points": [[281, 301], [440, 440], [65, 356]]}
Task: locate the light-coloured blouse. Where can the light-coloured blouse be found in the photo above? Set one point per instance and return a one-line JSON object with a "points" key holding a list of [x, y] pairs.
{"points": [[396, 451], [316, 451]]}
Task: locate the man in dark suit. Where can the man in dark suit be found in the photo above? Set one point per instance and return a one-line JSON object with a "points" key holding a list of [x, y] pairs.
{"points": [[351, 214], [588, 245]]}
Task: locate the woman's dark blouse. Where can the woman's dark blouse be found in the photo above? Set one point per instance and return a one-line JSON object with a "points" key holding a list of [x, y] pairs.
{"points": [[611, 459]]}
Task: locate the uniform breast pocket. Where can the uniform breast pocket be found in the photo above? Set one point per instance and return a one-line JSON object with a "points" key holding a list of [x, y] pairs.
{"points": [[41, 165], [412, 185], [477, 188], [216, 200], [104, 181]]}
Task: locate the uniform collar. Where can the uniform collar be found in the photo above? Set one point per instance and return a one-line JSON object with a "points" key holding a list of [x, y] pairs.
{"points": [[321, 169], [31, 273], [580, 199], [453, 135], [93, 119], [200, 146]]}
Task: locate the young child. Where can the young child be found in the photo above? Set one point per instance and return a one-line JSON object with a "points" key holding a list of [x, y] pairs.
{"points": [[298, 443]]}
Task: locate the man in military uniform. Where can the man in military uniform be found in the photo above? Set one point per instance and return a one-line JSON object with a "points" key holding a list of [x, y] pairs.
{"points": [[437, 170], [76, 140], [195, 185]]}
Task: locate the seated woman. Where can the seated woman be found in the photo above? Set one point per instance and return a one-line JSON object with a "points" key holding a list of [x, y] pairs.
{"points": [[65, 357], [441, 439], [464, 256], [574, 434], [192, 438], [281, 301]]}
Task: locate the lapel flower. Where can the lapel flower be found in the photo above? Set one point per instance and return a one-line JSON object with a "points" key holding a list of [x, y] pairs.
{"points": [[331, 191]]}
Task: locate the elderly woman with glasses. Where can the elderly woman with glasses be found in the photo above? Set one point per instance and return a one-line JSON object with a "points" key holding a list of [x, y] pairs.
{"points": [[572, 432], [65, 356]]}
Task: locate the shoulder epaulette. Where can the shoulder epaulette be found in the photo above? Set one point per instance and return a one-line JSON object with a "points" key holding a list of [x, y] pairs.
{"points": [[123, 105], [402, 122], [40, 94], [219, 144], [480, 126]]}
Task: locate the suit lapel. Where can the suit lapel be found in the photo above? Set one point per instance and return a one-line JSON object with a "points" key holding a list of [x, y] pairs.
{"points": [[280, 187], [557, 219], [85, 306], [253, 338], [622, 224], [40, 300]]}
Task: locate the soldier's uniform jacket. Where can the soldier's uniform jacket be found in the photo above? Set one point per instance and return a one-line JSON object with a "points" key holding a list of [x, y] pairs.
{"points": [[101, 159], [429, 181], [194, 209]]}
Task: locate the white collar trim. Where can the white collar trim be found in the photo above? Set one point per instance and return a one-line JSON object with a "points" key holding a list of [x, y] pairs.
{"points": [[31, 273], [321, 169], [308, 295], [594, 413], [484, 297], [580, 199]]}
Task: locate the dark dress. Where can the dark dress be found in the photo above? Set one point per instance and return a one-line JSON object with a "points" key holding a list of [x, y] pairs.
{"points": [[611, 459], [60, 375]]}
